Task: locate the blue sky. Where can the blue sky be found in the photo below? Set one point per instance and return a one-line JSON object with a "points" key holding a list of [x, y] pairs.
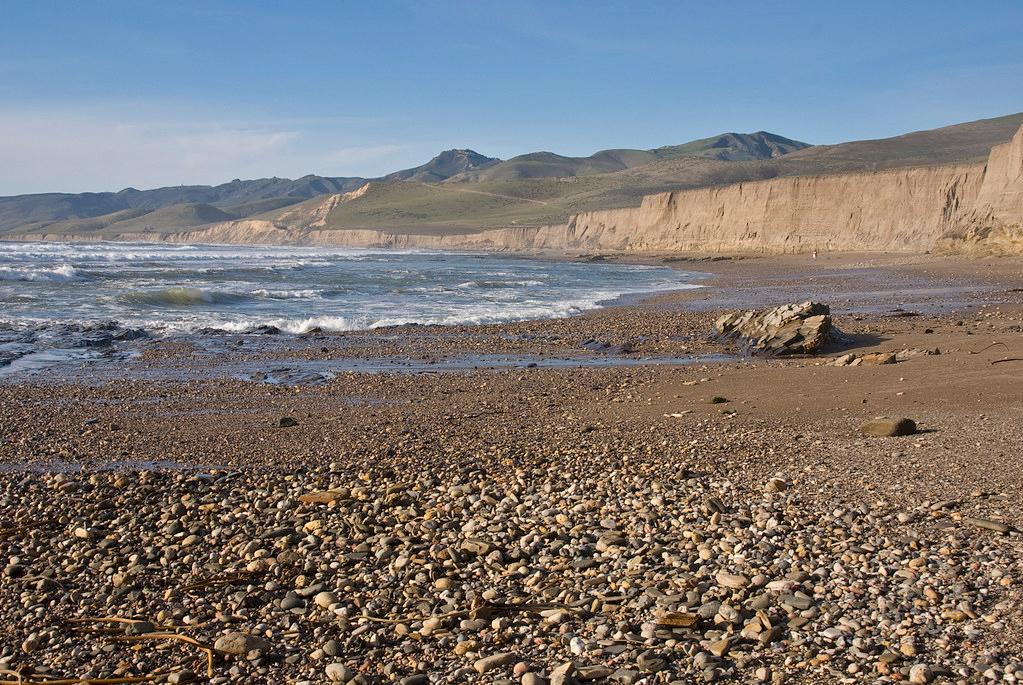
{"points": [[103, 94]]}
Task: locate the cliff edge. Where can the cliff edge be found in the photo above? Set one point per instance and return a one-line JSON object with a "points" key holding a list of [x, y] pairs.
{"points": [[963, 208]]}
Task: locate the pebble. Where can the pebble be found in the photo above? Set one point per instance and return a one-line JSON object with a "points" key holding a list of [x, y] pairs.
{"points": [[639, 570], [494, 661], [920, 673], [339, 673], [239, 643], [324, 599], [731, 580]]}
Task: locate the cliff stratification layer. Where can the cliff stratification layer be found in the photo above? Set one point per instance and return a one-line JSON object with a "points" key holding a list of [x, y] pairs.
{"points": [[971, 208]]}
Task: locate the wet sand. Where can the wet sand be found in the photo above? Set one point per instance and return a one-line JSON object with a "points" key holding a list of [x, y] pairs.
{"points": [[575, 466]]}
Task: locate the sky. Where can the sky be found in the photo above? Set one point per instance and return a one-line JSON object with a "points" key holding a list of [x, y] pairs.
{"points": [[106, 94]]}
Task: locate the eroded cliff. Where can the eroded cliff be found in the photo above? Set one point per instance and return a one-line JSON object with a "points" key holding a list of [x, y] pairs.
{"points": [[974, 208]]}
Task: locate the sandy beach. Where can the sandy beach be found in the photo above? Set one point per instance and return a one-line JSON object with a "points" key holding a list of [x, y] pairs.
{"points": [[613, 497]]}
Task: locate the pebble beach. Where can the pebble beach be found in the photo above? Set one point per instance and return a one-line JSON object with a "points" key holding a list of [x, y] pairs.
{"points": [[722, 518]]}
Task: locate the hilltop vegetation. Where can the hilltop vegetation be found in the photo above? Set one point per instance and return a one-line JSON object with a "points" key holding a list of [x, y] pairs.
{"points": [[461, 190]]}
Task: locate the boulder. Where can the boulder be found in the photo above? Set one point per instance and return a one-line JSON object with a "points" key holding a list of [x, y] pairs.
{"points": [[884, 427], [790, 329]]}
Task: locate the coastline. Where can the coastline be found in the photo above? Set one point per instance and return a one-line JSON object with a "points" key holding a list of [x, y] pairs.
{"points": [[651, 490]]}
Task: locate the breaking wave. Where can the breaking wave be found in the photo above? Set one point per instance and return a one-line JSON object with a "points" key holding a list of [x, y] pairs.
{"points": [[57, 274], [179, 290], [310, 294], [180, 296]]}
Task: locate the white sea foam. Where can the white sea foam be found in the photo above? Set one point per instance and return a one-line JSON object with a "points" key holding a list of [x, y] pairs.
{"points": [[306, 294], [183, 288], [62, 273]]}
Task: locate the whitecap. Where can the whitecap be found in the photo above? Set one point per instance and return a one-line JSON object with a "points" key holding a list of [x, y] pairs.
{"points": [[57, 274]]}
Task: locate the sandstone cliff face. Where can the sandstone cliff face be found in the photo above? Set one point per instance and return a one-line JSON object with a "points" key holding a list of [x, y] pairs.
{"points": [[960, 208], [894, 210], [994, 224]]}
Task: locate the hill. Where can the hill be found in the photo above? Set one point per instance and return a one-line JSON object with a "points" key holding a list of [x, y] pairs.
{"points": [[445, 165], [240, 198], [727, 146], [66, 212], [463, 190], [455, 205]]}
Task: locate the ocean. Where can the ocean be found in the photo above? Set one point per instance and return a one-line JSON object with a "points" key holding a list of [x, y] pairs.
{"points": [[85, 295]]}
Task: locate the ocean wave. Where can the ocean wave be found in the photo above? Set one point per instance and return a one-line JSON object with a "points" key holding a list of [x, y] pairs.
{"points": [[179, 296], [487, 284], [333, 324], [58, 274], [308, 294]]}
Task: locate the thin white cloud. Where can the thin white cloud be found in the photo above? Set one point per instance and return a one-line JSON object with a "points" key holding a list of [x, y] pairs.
{"points": [[109, 148]]}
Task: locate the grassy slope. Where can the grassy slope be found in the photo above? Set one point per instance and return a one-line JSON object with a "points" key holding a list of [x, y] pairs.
{"points": [[458, 207], [135, 221], [411, 206], [734, 146]]}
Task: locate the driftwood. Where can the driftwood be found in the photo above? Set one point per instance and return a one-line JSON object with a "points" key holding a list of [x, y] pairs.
{"points": [[988, 347], [115, 619], [78, 681], [179, 638], [207, 650], [229, 579], [483, 610]]}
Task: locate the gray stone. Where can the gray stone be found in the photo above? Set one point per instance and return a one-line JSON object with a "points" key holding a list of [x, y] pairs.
{"points": [[565, 674], [339, 673], [790, 329], [139, 628], [239, 643]]}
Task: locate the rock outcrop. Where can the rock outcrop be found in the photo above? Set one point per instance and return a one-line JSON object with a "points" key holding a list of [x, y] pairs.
{"points": [[790, 329]]}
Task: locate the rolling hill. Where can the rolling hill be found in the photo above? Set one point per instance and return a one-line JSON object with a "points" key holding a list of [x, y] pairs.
{"points": [[237, 198], [117, 212], [461, 190], [727, 146]]}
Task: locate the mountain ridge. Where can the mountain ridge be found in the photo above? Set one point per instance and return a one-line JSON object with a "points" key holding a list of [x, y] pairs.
{"points": [[465, 202], [454, 165]]}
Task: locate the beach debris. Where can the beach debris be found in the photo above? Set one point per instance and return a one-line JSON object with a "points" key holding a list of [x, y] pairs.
{"points": [[987, 524], [884, 427], [879, 358], [175, 637], [803, 328]]}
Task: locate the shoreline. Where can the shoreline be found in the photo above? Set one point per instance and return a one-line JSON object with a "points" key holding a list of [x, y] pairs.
{"points": [[603, 497]]}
